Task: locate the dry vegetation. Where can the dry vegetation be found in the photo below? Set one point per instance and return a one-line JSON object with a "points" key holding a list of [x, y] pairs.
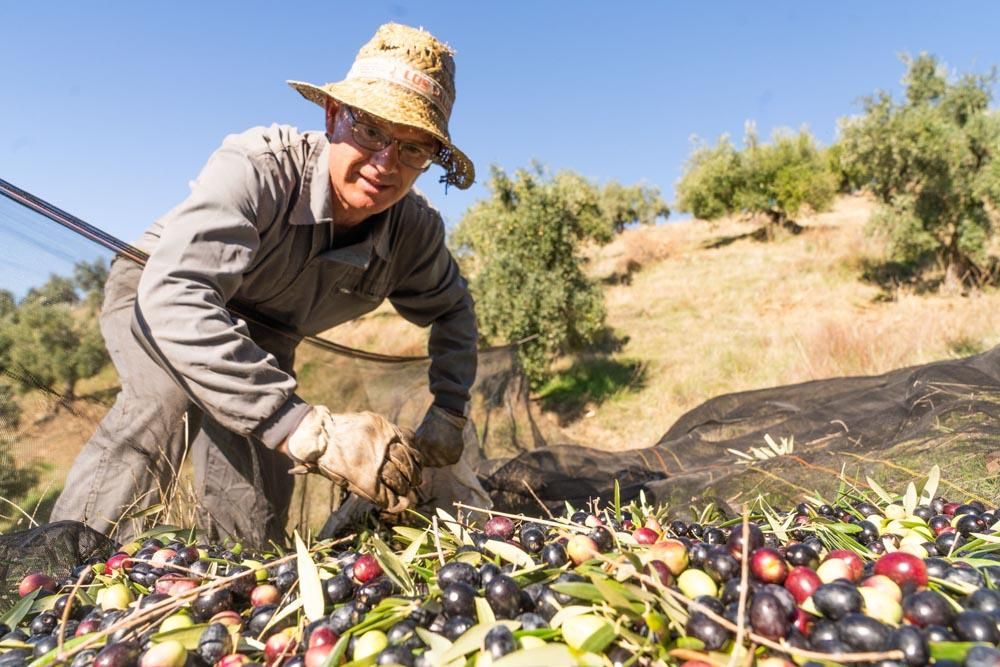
{"points": [[726, 313], [706, 310]]}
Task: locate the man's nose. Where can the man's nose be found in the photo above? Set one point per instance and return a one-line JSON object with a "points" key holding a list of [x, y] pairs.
{"points": [[387, 159]]}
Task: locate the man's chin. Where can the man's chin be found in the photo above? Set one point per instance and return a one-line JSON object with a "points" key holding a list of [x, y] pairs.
{"points": [[371, 204]]}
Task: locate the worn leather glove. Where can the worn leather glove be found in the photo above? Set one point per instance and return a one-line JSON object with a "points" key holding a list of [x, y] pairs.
{"points": [[361, 450], [439, 437]]}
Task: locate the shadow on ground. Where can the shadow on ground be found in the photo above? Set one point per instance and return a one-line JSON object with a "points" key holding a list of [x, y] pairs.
{"points": [[764, 234], [591, 380]]}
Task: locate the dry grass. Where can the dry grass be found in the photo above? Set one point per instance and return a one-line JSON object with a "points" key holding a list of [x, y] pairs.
{"points": [[745, 315], [629, 253], [381, 331]]}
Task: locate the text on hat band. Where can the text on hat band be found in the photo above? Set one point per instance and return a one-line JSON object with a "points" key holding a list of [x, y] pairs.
{"points": [[399, 73]]}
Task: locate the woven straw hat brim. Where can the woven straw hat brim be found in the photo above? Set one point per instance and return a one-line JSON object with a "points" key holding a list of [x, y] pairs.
{"points": [[396, 105]]}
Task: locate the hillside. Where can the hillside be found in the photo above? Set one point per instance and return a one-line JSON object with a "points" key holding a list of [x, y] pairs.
{"points": [[706, 310], [710, 310]]}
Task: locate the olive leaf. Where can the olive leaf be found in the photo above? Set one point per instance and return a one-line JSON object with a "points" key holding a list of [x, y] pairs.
{"points": [[472, 639], [188, 636], [409, 533], [578, 589], [20, 610], [435, 641], [414, 548], [569, 612], [951, 651], [451, 523], [616, 595], [931, 485], [484, 612], [338, 651], [509, 553], [550, 654], [282, 614], [310, 587], [910, 499], [393, 566], [147, 511], [879, 491], [618, 502], [52, 656], [157, 531]]}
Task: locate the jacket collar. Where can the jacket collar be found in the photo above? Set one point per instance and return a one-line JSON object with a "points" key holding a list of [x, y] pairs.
{"points": [[315, 207]]}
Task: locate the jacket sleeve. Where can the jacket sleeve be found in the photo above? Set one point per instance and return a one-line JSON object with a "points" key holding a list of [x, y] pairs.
{"points": [[207, 244], [435, 293]]}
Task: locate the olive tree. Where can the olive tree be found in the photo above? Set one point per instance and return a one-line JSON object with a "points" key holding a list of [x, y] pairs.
{"points": [[521, 248], [779, 179], [930, 160], [51, 339]]}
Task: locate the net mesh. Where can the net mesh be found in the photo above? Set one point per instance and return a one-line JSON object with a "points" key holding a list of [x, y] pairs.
{"points": [[892, 428]]}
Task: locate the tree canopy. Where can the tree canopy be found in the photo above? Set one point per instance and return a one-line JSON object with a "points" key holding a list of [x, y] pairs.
{"points": [[930, 161], [51, 338], [778, 179], [521, 248]]}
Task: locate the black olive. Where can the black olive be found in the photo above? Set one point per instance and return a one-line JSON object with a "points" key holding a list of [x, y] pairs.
{"points": [[120, 654], [337, 589], [835, 600], [458, 571], [976, 626], [459, 599], [863, 633], [456, 626], [395, 655], [910, 640], [504, 596]]}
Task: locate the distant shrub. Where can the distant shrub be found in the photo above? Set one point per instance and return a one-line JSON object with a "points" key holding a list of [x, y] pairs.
{"points": [[778, 179], [521, 249]]}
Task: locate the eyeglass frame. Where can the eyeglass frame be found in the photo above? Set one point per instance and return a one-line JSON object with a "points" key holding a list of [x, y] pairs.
{"points": [[388, 140]]}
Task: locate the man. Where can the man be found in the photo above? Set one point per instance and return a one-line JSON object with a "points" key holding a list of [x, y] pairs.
{"points": [[307, 230]]}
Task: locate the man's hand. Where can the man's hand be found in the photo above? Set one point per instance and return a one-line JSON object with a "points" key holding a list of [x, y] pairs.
{"points": [[363, 450], [439, 437]]}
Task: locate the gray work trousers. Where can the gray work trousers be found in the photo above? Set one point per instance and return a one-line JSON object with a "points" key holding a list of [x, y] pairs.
{"points": [[133, 459]]}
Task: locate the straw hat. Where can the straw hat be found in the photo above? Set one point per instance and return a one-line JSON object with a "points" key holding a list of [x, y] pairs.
{"points": [[406, 76]]}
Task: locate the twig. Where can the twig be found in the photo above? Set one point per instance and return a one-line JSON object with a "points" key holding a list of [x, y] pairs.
{"points": [[689, 654], [181, 568], [744, 584], [34, 524], [537, 499], [544, 522], [70, 601]]}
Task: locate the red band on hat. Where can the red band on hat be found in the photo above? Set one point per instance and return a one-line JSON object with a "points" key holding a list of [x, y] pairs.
{"points": [[401, 74]]}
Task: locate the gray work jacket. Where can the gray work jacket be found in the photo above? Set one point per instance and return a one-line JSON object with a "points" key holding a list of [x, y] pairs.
{"points": [[257, 230]]}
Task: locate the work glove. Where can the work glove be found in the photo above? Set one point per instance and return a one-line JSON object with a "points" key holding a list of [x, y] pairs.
{"points": [[363, 451], [439, 437]]}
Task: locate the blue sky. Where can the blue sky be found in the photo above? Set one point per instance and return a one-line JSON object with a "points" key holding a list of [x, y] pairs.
{"points": [[108, 109]]}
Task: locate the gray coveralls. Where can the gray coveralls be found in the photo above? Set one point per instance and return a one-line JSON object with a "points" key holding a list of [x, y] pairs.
{"points": [[256, 230]]}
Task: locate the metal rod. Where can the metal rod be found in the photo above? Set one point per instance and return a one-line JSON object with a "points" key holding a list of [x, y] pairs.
{"points": [[138, 256]]}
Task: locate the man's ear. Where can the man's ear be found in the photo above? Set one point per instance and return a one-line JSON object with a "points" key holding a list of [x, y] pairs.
{"points": [[332, 107]]}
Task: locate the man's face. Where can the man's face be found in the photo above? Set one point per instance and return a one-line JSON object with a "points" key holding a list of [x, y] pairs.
{"points": [[366, 182]]}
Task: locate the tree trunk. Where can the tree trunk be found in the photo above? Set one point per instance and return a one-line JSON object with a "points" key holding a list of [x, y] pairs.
{"points": [[67, 397]]}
